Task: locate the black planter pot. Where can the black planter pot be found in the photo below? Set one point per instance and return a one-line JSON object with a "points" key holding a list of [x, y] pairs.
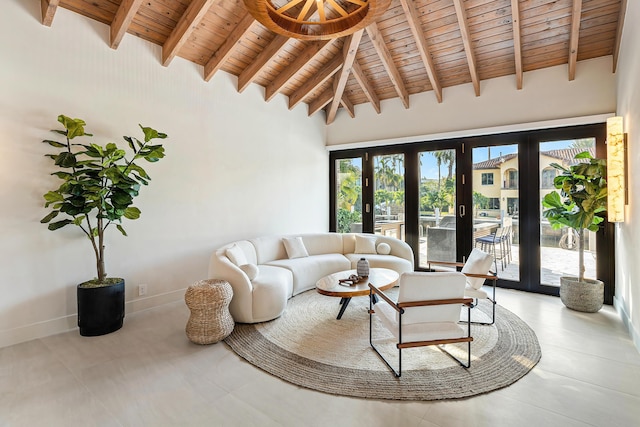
{"points": [[100, 309]]}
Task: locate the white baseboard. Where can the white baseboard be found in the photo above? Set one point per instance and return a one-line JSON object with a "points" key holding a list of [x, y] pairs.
{"points": [[68, 323], [626, 319]]}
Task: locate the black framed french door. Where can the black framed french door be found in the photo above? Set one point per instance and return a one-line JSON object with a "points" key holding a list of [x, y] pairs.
{"points": [[444, 197]]}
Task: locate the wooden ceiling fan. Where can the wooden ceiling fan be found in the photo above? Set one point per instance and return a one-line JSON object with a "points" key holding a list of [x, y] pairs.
{"points": [[316, 19]]}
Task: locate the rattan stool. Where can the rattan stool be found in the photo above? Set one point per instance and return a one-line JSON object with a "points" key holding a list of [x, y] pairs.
{"points": [[210, 320]]}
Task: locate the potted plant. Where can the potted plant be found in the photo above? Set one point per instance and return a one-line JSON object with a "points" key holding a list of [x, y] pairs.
{"points": [[98, 187], [584, 189]]}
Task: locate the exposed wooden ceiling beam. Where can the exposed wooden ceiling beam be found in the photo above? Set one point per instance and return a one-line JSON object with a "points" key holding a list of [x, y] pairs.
{"points": [[365, 85], [49, 8], [576, 14], [321, 101], [348, 105], [125, 14], [226, 49], [248, 75], [381, 48], [308, 55], [463, 23], [324, 74], [616, 48], [517, 40], [413, 20], [262, 60], [189, 21], [349, 50]]}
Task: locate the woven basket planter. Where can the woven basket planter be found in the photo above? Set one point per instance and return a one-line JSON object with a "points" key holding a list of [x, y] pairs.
{"points": [[586, 296], [210, 320]]}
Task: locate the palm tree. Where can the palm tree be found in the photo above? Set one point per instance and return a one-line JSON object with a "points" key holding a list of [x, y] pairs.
{"points": [[583, 143], [384, 172], [440, 158], [349, 192]]}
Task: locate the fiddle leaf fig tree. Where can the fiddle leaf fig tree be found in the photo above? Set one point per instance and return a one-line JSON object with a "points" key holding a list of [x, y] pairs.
{"points": [[584, 188], [98, 184]]}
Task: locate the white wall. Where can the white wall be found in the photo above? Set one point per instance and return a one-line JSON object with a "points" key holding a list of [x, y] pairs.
{"points": [[627, 298], [236, 167], [546, 95]]}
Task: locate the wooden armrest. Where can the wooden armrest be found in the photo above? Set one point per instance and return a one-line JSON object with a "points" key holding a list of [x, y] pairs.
{"points": [[465, 301], [374, 290], [491, 276]]}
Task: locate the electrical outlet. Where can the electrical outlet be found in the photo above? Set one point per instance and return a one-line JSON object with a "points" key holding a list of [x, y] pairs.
{"points": [[142, 290]]}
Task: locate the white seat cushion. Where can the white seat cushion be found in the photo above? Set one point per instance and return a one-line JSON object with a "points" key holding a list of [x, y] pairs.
{"points": [[420, 286], [479, 262], [417, 331]]}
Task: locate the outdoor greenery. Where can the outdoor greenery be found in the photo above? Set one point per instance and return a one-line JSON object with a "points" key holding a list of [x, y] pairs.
{"points": [[389, 188], [349, 196], [480, 201], [98, 183], [440, 193], [584, 189]]}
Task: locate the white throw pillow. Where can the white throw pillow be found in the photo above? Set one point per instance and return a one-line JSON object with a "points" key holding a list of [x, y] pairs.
{"points": [[365, 244], [384, 249], [236, 255], [479, 262], [251, 270], [295, 247]]}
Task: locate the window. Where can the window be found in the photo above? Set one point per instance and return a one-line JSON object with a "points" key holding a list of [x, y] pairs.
{"points": [[548, 174], [493, 203], [511, 180], [487, 178]]}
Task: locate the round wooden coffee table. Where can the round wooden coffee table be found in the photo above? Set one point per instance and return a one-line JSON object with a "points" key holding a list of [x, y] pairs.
{"points": [[382, 278]]}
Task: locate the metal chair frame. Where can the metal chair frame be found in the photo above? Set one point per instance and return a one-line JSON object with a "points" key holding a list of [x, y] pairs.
{"points": [[400, 308]]}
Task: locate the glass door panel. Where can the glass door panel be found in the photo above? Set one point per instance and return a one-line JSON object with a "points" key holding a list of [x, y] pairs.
{"points": [[496, 201], [349, 195], [388, 197], [437, 219], [558, 247]]}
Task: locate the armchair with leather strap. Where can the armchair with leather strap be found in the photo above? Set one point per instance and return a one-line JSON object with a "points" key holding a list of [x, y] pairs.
{"points": [[477, 270], [426, 313]]}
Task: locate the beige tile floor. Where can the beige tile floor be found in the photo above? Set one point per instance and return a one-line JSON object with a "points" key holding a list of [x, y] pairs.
{"points": [[149, 374]]}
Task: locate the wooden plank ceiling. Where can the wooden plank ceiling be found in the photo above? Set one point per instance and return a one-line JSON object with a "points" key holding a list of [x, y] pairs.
{"points": [[416, 46]]}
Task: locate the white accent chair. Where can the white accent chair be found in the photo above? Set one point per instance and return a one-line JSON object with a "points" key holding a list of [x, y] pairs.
{"points": [[477, 270], [427, 313]]}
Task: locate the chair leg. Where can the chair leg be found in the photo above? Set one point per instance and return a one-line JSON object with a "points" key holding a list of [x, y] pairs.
{"points": [[468, 364], [493, 307], [399, 371], [461, 363]]}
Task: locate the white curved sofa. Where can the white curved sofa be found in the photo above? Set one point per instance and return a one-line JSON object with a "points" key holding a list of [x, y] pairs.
{"points": [[264, 273]]}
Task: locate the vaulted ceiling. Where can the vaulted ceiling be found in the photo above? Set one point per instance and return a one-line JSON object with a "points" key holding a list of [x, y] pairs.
{"points": [[415, 46]]}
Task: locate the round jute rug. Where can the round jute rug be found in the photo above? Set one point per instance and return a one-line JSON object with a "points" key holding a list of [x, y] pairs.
{"points": [[309, 347]]}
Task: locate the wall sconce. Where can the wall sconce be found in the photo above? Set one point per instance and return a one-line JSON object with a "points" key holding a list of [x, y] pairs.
{"points": [[616, 169]]}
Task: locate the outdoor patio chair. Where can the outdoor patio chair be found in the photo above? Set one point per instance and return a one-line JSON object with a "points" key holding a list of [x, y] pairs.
{"points": [[427, 313], [477, 270], [498, 244]]}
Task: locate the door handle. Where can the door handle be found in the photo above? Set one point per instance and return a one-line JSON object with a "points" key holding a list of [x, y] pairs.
{"points": [[461, 210]]}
